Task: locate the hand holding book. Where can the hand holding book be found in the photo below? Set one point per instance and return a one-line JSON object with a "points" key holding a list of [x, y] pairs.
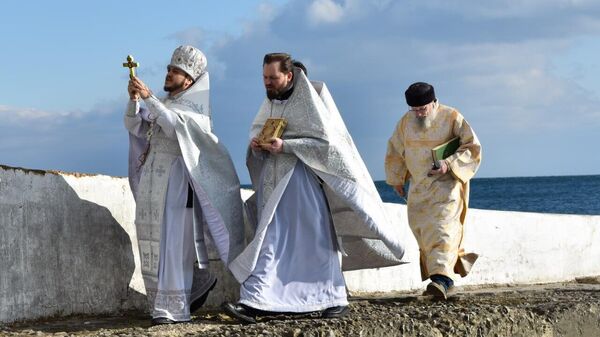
{"points": [[275, 146], [272, 129], [444, 151], [441, 152], [269, 138], [441, 168]]}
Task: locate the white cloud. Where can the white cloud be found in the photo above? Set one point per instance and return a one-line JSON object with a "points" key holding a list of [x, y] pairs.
{"points": [[17, 115], [324, 12], [266, 12], [191, 36], [88, 141], [498, 70], [38, 118], [509, 8], [206, 41], [494, 61]]}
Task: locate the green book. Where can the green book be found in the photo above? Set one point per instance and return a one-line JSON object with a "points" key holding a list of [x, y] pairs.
{"points": [[445, 150]]}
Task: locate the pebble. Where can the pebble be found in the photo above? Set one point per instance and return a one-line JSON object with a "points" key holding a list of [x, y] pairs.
{"points": [[475, 315]]}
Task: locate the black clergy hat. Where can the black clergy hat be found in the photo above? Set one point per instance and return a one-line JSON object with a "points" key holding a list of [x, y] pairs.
{"points": [[419, 94]]}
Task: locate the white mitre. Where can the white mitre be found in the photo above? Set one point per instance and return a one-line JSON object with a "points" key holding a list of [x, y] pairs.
{"points": [[189, 59]]}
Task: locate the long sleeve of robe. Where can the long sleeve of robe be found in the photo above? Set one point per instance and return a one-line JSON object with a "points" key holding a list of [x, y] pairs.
{"points": [[395, 166]]}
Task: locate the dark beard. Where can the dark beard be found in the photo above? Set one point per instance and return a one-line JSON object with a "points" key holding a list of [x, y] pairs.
{"points": [[173, 87], [282, 94], [272, 94]]}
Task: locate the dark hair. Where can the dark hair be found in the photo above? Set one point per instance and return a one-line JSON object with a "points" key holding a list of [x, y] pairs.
{"points": [[183, 72], [300, 65], [284, 59]]}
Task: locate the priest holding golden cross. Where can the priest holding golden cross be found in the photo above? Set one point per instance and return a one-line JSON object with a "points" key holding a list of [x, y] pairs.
{"points": [[179, 189]]}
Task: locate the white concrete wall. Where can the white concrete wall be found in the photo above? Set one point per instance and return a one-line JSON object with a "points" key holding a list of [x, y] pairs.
{"points": [[65, 245], [68, 246], [514, 248]]}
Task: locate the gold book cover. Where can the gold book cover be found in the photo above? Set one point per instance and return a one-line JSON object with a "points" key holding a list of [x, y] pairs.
{"points": [[273, 128]]}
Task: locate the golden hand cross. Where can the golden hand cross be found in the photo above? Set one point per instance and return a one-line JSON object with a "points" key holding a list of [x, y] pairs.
{"points": [[131, 65]]}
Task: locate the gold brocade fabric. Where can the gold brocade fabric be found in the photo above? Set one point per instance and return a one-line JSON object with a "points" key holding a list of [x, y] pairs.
{"points": [[273, 128], [437, 205]]}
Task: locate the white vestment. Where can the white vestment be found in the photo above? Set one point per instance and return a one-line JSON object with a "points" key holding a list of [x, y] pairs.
{"points": [[315, 141], [298, 269], [183, 153]]}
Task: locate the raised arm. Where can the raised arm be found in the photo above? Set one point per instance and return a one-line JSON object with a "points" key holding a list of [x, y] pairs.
{"points": [[133, 120], [157, 112]]}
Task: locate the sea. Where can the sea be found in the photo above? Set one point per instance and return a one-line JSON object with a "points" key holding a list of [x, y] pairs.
{"points": [[556, 194]]}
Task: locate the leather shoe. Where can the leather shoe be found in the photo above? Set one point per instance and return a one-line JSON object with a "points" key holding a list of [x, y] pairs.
{"points": [[436, 290], [197, 303], [335, 312], [162, 321], [451, 291], [240, 312]]}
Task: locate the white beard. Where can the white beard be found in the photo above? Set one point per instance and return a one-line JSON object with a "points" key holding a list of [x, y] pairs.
{"points": [[424, 122]]}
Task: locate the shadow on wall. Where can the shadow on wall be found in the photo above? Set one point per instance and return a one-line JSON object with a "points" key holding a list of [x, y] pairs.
{"points": [[59, 255]]}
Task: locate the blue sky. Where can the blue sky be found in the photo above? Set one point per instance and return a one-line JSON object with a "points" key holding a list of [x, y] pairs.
{"points": [[526, 76]]}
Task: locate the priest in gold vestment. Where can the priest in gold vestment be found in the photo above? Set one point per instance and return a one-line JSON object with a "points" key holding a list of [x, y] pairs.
{"points": [[438, 195]]}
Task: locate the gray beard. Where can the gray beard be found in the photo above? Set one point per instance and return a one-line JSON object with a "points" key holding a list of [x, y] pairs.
{"points": [[424, 123]]}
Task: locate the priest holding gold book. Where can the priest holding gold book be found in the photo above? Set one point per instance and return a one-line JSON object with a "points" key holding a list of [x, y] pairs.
{"points": [[315, 202], [438, 197]]}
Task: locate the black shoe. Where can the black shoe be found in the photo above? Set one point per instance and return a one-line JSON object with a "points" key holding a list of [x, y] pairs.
{"points": [[240, 312], [197, 303], [162, 321], [438, 291], [335, 312]]}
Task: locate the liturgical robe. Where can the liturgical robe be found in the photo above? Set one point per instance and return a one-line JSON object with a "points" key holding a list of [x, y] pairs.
{"points": [[437, 205], [317, 194], [172, 152]]}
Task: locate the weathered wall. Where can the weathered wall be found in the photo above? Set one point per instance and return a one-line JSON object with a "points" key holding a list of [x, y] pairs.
{"points": [[68, 246], [514, 248], [65, 245]]}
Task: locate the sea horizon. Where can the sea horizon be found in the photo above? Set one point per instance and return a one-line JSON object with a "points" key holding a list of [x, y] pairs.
{"points": [[573, 194], [567, 194]]}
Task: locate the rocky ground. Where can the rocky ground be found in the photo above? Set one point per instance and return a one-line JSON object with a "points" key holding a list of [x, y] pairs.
{"points": [[544, 310]]}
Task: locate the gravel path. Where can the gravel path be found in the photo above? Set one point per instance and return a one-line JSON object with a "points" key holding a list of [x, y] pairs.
{"points": [[545, 310]]}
